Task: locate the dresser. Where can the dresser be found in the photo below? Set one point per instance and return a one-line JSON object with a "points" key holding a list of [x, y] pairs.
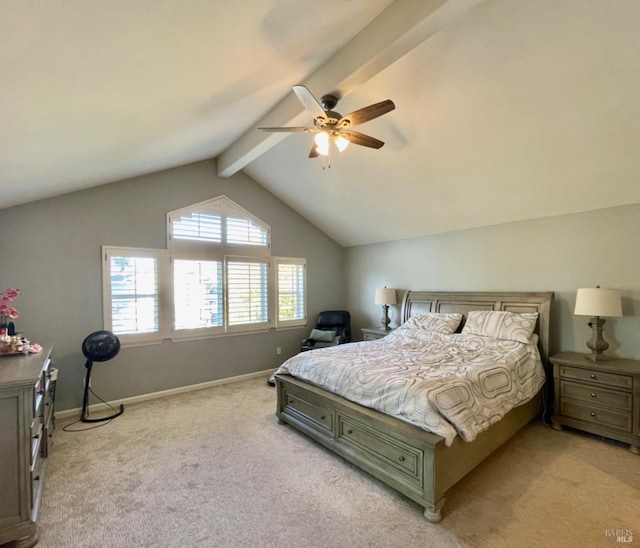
{"points": [[373, 333], [26, 429], [598, 397]]}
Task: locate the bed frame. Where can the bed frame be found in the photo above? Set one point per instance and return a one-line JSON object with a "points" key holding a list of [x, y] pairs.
{"points": [[414, 462]]}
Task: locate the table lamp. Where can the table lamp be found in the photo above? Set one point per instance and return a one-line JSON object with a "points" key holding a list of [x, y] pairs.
{"points": [[385, 297], [597, 302]]}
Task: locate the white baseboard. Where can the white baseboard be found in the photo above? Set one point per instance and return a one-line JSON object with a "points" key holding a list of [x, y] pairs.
{"points": [[73, 413]]}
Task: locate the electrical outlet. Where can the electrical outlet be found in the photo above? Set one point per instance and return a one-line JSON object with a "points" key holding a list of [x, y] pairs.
{"points": [[279, 350]]}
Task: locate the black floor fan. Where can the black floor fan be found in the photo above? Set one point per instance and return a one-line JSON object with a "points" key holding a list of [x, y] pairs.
{"points": [[99, 346]]}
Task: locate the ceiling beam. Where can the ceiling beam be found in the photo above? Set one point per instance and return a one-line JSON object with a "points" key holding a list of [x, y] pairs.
{"points": [[395, 32]]}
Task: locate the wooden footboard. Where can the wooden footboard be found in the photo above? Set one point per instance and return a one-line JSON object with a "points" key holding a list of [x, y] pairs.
{"points": [[408, 459]]}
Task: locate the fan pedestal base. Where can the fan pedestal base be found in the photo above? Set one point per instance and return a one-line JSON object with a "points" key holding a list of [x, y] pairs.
{"points": [[99, 346]]}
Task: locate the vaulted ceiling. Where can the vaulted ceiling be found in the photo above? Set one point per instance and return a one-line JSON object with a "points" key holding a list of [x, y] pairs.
{"points": [[506, 110]]}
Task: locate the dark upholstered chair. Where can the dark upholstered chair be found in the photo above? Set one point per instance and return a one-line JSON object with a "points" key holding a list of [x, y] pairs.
{"points": [[332, 327]]}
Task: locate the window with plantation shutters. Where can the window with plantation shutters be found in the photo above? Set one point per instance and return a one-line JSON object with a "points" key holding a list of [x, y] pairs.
{"points": [[198, 226], [247, 292], [291, 292], [220, 223], [216, 277], [243, 231], [197, 294], [131, 278]]}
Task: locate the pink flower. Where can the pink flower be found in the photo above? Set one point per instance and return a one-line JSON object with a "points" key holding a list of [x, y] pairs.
{"points": [[10, 294], [8, 312], [35, 348]]}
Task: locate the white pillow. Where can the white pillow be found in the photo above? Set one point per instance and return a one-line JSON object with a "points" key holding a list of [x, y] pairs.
{"points": [[508, 326], [435, 321]]}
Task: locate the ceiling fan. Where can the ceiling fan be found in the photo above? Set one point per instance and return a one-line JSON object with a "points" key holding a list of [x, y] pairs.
{"points": [[329, 125]]}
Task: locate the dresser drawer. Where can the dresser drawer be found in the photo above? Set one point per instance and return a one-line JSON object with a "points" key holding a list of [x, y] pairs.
{"points": [[595, 395], [386, 450], [309, 411], [36, 480], [597, 416], [36, 440], [606, 379]]}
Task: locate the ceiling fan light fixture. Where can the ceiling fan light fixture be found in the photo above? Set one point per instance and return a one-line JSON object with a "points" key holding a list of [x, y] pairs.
{"points": [[329, 125], [322, 143], [341, 142]]}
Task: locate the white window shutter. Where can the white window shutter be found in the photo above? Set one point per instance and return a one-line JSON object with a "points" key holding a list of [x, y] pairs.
{"points": [[291, 297], [247, 285]]}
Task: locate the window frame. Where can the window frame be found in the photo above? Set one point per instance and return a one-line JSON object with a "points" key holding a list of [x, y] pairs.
{"points": [[161, 256], [225, 208], [298, 322], [199, 250], [198, 332], [249, 327]]}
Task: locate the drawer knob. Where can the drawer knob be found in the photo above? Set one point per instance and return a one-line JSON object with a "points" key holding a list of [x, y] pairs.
{"points": [[36, 436], [593, 395], [37, 478], [349, 431], [593, 413], [401, 459], [593, 376], [322, 418]]}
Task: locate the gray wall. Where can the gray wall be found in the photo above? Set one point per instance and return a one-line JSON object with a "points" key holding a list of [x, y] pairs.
{"points": [[50, 249], [558, 254]]}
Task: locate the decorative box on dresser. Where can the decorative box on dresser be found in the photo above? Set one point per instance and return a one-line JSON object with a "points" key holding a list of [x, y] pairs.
{"points": [[26, 429], [600, 397], [373, 333]]}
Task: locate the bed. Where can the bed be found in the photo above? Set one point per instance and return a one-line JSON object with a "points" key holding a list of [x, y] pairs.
{"points": [[419, 464]]}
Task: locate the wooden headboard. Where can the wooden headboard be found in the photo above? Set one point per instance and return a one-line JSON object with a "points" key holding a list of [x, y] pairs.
{"points": [[421, 302]]}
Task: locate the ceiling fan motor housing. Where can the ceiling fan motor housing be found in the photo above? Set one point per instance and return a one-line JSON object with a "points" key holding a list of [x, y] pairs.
{"points": [[328, 101]]}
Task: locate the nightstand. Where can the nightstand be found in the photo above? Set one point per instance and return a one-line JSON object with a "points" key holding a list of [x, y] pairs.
{"points": [[373, 333], [598, 397]]}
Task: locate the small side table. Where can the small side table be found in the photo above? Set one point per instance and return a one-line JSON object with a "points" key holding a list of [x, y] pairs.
{"points": [[373, 333], [598, 397]]}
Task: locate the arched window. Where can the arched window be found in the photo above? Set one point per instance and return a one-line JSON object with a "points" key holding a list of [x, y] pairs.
{"points": [[216, 277]]}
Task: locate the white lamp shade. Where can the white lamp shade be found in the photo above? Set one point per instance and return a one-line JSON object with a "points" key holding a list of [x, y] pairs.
{"points": [[386, 296], [594, 301]]}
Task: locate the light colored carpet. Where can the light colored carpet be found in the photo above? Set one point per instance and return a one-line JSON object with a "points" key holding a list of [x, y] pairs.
{"points": [[213, 468]]}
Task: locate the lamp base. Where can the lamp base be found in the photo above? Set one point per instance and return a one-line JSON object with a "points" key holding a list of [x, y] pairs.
{"points": [[385, 321], [596, 343], [594, 357]]}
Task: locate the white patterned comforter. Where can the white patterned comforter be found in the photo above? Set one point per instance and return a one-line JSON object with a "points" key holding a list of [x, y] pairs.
{"points": [[445, 384]]}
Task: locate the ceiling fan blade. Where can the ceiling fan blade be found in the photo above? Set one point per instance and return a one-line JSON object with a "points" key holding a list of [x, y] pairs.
{"points": [[313, 153], [367, 113], [289, 129], [309, 102], [358, 138]]}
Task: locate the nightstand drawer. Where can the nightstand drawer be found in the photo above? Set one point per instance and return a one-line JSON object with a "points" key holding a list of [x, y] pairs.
{"points": [[374, 333], [595, 415], [594, 395], [607, 379]]}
